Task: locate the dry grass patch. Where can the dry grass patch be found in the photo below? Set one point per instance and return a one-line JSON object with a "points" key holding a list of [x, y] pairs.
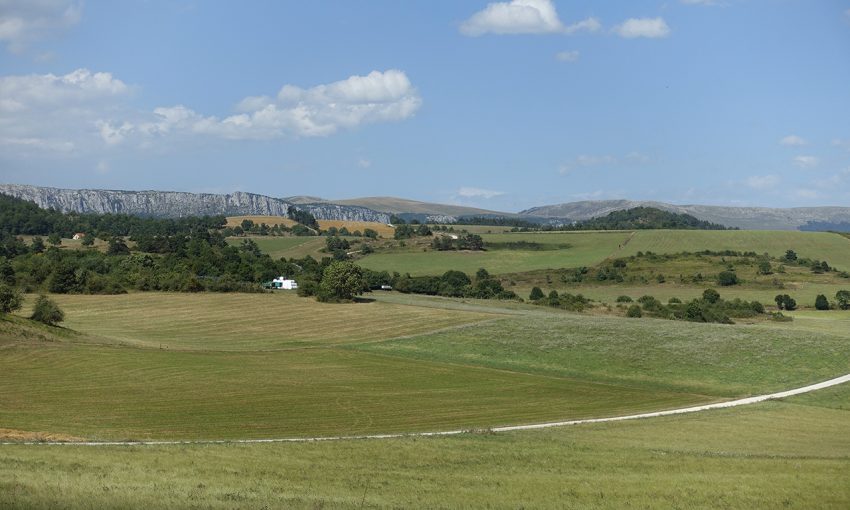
{"points": [[233, 221]]}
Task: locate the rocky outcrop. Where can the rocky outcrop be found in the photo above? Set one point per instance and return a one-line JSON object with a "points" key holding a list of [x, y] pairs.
{"points": [[174, 204]]}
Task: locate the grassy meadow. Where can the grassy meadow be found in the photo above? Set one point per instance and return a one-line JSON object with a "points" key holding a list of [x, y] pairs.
{"points": [[271, 365], [833, 248], [572, 249], [789, 454]]}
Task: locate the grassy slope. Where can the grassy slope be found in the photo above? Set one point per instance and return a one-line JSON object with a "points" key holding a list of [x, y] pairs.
{"points": [[816, 245], [704, 358], [585, 249], [246, 322], [289, 247], [794, 454]]}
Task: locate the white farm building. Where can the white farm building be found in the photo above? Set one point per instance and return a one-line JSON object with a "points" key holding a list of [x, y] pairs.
{"points": [[281, 282]]}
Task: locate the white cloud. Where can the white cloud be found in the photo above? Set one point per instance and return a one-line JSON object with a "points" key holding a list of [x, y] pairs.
{"points": [[522, 17], [792, 141], [806, 161], [699, 2], [55, 113], [23, 22], [567, 56], [468, 192], [586, 25], [364, 163], [845, 144], [84, 108], [652, 28], [763, 182]]}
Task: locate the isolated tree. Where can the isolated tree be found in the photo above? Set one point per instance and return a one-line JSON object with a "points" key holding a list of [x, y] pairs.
{"points": [[790, 255], [711, 296], [88, 240], [536, 294], [246, 225], [764, 267], [117, 246], [554, 299], [342, 281], [54, 239], [785, 302], [842, 297], [821, 303], [37, 244], [7, 272], [10, 298], [727, 278], [634, 312], [371, 234], [47, 311]]}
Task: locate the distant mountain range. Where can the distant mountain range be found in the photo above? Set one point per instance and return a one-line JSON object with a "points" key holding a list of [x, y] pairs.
{"points": [[379, 209]]}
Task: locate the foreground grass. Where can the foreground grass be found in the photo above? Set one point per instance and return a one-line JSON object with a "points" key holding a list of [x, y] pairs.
{"points": [[793, 454]]}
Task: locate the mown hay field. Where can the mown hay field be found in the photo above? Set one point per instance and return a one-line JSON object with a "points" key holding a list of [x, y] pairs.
{"points": [[246, 322], [382, 229], [234, 221]]}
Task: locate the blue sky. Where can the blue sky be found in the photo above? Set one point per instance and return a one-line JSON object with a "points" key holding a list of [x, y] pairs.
{"points": [[503, 105]]}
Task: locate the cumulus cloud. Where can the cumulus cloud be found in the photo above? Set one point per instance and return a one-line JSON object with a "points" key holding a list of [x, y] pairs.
{"points": [[763, 182], [567, 56], [806, 161], [522, 17], [792, 141], [55, 113], [652, 28], [39, 108], [468, 192], [23, 22]]}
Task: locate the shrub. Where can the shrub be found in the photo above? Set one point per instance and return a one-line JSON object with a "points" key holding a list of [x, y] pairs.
{"points": [[843, 299], [624, 299], [10, 298], [727, 278], [711, 296], [634, 311], [821, 303], [536, 294], [47, 311], [674, 300]]}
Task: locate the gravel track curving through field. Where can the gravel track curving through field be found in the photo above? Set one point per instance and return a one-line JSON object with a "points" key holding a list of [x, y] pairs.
{"points": [[683, 410]]}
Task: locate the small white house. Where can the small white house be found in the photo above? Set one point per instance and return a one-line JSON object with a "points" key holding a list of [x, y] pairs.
{"points": [[282, 282], [78, 236]]}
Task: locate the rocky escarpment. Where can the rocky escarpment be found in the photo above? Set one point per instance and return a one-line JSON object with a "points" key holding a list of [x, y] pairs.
{"points": [[174, 204]]}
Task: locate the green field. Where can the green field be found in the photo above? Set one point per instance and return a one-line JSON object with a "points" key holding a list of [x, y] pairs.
{"points": [[289, 247], [791, 454], [584, 249], [815, 245], [192, 366]]}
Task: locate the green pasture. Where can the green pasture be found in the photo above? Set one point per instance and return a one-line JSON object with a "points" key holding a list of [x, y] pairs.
{"points": [[583, 249], [289, 247], [710, 359], [790, 454], [833, 248]]}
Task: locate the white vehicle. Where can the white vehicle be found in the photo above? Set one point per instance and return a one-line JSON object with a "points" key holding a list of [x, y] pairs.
{"points": [[284, 283]]}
